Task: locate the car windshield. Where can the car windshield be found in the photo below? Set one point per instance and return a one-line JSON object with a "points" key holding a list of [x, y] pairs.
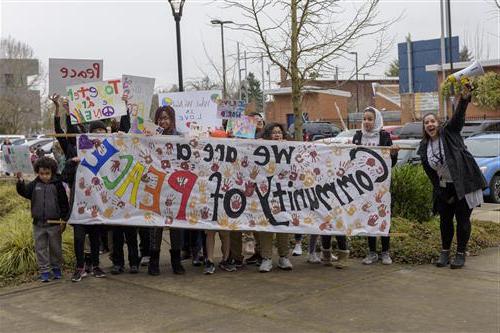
{"points": [[484, 147]]}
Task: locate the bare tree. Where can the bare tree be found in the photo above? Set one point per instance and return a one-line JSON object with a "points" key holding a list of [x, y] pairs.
{"points": [[19, 91], [310, 36]]}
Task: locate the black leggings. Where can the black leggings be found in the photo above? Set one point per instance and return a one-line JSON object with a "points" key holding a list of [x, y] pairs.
{"points": [[120, 234], [372, 243], [462, 213], [326, 242], [79, 232]]}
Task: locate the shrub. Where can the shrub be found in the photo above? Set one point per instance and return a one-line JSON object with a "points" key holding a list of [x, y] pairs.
{"points": [[9, 199], [411, 192]]}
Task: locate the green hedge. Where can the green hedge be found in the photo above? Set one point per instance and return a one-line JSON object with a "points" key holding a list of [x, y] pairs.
{"points": [[411, 193]]}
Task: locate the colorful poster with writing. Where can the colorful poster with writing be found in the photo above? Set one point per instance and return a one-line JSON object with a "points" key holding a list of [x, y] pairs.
{"points": [[231, 109], [139, 92], [17, 158], [243, 127], [96, 101], [69, 72], [230, 184], [197, 108]]}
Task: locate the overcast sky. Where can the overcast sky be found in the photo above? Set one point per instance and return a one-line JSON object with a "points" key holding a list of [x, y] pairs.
{"points": [[138, 37]]}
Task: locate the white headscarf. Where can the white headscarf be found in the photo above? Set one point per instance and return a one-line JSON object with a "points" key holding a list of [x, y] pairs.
{"points": [[377, 126]]}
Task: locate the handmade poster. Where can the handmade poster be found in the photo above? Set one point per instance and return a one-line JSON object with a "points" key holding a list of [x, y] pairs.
{"points": [[139, 92], [230, 184], [96, 101], [69, 72], [243, 127], [17, 158], [193, 108], [231, 109]]}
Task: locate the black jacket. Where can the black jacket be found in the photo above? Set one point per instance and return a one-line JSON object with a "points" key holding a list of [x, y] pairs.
{"points": [[48, 200], [385, 140], [466, 175]]}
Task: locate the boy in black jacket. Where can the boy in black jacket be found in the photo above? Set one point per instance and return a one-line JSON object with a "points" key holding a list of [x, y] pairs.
{"points": [[48, 202]]}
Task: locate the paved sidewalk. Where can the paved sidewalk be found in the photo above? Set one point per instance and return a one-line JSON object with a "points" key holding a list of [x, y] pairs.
{"points": [[487, 212], [311, 298]]}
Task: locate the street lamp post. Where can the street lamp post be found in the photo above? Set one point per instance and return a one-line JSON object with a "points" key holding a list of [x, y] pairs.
{"points": [[177, 6], [357, 81], [221, 23]]}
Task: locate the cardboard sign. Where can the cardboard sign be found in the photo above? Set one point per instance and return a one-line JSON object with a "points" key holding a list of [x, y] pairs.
{"points": [[17, 158], [69, 72], [96, 101], [231, 109], [139, 91], [243, 127], [193, 108], [227, 184]]}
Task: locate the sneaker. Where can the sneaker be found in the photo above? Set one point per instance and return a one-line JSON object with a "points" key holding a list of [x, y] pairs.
{"points": [[117, 269], [314, 258], [458, 262], [134, 270], [237, 263], [44, 277], [371, 258], [209, 268], [196, 261], [145, 261], [386, 258], [227, 266], [98, 272], [253, 259], [57, 273], [444, 258], [285, 264], [297, 250], [78, 275], [266, 265]]}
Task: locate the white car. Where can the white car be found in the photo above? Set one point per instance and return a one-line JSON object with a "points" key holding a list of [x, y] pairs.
{"points": [[343, 138]]}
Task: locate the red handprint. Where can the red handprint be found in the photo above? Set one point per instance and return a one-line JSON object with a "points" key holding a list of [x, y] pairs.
{"points": [[239, 179], [249, 188], [295, 219], [215, 167], [115, 166], [94, 211], [382, 210], [227, 185], [372, 220], [205, 213], [236, 203], [244, 162]]}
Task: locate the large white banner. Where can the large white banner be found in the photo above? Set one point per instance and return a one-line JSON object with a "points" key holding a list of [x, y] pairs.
{"points": [[68, 72], [198, 108], [231, 184], [139, 91]]}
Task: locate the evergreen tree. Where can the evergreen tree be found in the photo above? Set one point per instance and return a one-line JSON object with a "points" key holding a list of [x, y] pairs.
{"points": [[465, 54], [254, 92], [393, 68]]}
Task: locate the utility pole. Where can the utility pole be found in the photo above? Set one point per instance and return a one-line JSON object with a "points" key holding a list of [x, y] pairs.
{"points": [[239, 71], [443, 59]]}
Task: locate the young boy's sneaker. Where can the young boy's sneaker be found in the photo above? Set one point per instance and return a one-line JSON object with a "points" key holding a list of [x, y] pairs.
{"points": [[297, 250], [117, 269], [145, 261], [44, 277], [285, 264], [386, 258], [57, 273], [78, 275], [254, 259], [266, 265], [209, 268], [371, 258], [98, 272], [227, 266]]}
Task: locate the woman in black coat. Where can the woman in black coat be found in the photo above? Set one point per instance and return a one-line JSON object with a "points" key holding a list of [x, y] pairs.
{"points": [[455, 176]]}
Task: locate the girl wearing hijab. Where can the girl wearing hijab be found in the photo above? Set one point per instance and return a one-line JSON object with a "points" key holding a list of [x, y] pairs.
{"points": [[372, 134], [457, 181]]}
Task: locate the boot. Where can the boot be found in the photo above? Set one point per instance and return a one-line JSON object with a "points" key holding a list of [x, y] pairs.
{"points": [[459, 261], [175, 260], [342, 256], [444, 258], [154, 263], [327, 257]]}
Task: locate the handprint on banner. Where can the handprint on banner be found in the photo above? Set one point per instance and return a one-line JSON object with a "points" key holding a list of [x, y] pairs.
{"points": [[104, 197], [255, 172], [165, 164], [170, 200], [205, 213], [228, 172], [293, 173], [169, 148], [366, 206], [382, 210], [81, 183], [295, 219], [227, 185], [249, 188], [146, 156], [239, 179], [94, 211], [108, 212], [81, 207], [115, 166], [244, 162], [202, 186], [383, 226], [372, 220], [270, 168]]}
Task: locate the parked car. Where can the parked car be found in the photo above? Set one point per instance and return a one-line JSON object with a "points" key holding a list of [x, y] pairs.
{"points": [[479, 127], [393, 130], [344, 137], [408, 156], [486, 151], [411, 130], [315, 130]]}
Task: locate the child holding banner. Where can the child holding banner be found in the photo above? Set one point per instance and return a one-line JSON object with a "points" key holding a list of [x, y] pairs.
{"points": [[455, 176], [274, 131], [372, 134], [48, 202], [165, 118]]}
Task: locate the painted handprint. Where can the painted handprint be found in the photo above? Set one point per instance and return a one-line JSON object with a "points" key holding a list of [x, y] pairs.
{"points": [[205, 213], [244, 162], [271, 168], [215, 167], [295, 219], [146, 156], [165, 164], [96, 182], [104, 197], [236, 203], [314, 156], [81, 183], [169, 148], [293, 173], [227, 185], [249, 188], [81, 207], [254, 172], [88, 191], [382, 210], [115, 166], [372, 220], [170, 200], [94, 211], [228, 172], [383, 225], [202, 186], [366, 206], [239, 179]]}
